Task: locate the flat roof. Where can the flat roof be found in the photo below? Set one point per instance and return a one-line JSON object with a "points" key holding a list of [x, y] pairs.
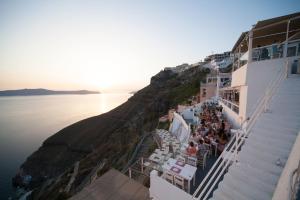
{"points": [[241, 38], [267, 22], [270, 31], [113, 185]]}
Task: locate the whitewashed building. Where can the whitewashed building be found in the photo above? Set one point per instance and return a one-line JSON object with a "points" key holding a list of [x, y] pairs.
{"points": [[263, 101]]}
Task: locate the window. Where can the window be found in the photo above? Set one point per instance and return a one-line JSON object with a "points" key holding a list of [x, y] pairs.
{"points": [[291, 51], [237, 96], [204, 92]]}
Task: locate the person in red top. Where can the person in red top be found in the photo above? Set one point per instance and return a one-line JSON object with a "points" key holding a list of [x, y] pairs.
{"points": [[191, 150]]}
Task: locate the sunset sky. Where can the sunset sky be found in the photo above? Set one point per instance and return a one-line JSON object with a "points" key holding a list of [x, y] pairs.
{"points": [[116, 46]]}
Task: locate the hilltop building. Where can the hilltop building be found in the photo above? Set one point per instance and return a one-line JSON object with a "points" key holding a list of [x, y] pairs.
{"points": [[261, 100]]}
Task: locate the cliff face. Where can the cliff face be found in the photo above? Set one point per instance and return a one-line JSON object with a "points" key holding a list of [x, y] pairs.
{"points": [[111, 136]]}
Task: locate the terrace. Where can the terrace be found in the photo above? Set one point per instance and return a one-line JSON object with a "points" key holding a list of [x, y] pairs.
{"points": [[269, 39], [173, 170], [231, 97]]}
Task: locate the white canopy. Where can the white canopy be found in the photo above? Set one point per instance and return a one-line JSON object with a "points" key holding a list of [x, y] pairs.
{"points": [[180, 129]]}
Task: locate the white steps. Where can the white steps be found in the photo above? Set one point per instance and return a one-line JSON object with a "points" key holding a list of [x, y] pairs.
{"points": [[256, 174]]}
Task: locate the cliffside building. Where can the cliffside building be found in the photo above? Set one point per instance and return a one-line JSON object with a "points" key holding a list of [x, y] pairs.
{"points": [[262, 159]]}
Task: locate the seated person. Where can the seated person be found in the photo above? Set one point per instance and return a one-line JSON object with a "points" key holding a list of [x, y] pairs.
{"points": [[211, 134], [202, 122], [191, 150], [195, 137], [202, 130], [201, 148], [222, 140]]}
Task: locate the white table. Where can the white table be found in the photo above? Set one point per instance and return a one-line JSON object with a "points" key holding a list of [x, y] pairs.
{"points": [[187, 172], [156, 158]]}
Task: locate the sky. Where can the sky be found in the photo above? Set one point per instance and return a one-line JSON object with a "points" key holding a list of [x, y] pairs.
{"points": [[117, 46]]}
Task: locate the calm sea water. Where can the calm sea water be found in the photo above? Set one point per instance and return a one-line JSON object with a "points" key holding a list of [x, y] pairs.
{"points": [[25, 122]]}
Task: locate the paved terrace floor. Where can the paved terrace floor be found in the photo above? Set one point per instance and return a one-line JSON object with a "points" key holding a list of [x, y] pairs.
{"points": [[200, 173], [113, 185]]}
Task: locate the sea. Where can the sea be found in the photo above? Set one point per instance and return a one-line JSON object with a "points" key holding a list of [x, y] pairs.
{"points": [[26, 121]]}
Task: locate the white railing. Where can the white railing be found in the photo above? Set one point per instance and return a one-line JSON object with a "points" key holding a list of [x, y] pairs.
{"points": [[234, 107], [232, 149], [268, 52]]}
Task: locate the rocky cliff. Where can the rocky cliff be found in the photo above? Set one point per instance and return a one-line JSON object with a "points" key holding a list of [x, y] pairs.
{"points": [[111, 136]]}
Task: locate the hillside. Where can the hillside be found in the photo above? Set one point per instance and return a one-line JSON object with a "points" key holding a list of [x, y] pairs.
{"points": [[110, 137]]}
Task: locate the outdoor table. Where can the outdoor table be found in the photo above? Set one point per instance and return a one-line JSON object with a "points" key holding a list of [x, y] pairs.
{"points": [[158, 151], [186, 171], [157, 158]]}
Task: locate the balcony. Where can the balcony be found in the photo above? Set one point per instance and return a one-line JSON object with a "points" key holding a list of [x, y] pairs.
{"points": [[233, 106], [240, 60], [230, 97], [267, 52]]}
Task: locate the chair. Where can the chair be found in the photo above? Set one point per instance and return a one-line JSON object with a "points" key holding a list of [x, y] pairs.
{"points": [[179, 181], [180, 158], [169, 177], [209, 149], [166, 150], [146, 164], [192, 161], [202, 160]]}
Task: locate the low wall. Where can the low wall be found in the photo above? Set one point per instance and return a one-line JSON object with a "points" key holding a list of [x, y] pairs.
{"points": [[231, 116], [283, 190], [160, 189]]}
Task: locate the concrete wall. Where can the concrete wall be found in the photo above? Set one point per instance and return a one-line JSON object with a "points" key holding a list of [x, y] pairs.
{"points": [[239, 76], [160, 189], [259, 76], [282, 190], [243, 102], [189, 114], [211, 89], [232, 117], [254, 78]]}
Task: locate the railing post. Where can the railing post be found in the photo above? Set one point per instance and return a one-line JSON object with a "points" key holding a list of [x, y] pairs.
{"points": [[286, 39], [239, 56], [236, 145], [250, 46], [142, 164], [287, 69], [129, 171], [266, 100]]}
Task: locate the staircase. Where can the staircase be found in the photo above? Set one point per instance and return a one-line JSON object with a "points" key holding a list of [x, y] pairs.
{"points": [[265, 152]]}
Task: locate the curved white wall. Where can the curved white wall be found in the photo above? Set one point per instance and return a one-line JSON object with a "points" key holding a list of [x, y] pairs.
{"points": [[282, 190]]}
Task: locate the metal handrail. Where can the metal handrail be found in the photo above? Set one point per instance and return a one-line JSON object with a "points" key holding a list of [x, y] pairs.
{"points": [[239, 138], [230, 102], [213, 167]]}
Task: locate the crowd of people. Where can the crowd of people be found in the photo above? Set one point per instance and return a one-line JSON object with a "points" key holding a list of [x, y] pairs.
{"points": [[213, 130]]}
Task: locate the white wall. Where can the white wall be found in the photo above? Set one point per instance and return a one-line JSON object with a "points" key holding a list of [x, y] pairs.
{"points": [[239, 76], [259, 76], [160, 189], [189, 114], [231, 116], [282, 190], [254, 79], [243, 102]]}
